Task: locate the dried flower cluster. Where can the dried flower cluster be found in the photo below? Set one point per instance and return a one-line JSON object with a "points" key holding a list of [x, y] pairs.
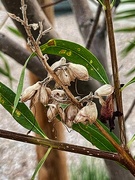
{"points": [[56, 100]]}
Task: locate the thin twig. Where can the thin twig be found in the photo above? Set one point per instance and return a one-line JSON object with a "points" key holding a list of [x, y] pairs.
{"points": [[115, 70], [59, 145], [94, 27]]}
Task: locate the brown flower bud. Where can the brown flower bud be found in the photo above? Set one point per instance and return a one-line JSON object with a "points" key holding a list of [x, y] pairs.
{"points": [[78, 71], [87, 114], [59, 63], [71, 112], [52, 112], [58, 95], [105, 90], [30, 92], [64, 76], [45, 94]]}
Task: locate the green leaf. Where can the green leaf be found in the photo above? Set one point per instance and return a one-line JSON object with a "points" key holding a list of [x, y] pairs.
{"points": [[40, 164], [128, 83], [127, 29], [93, 135], [14, 31], [6, 71], [131, 71], [77, 54], [20, 84], [128, 48], [131, 141], [22, 114]]}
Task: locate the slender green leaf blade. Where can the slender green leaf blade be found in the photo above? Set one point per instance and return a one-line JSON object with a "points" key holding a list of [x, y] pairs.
{"points": [[40, 164], [128, 83], [14, 31], [77, 54], [20, 84], [131, 141], [93, 135], [22, 114], [131, 71]]}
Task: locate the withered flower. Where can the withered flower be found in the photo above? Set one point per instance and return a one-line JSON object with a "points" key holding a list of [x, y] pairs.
{"points": [[30, 92], [52, 111], [78, 71], [45, 94], [64, 76], [87, 114], [58, 95], [105, 90], [70, 114]]}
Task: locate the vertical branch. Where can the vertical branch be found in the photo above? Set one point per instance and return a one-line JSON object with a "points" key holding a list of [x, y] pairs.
{"points": [[94, 27], [118, 94]]}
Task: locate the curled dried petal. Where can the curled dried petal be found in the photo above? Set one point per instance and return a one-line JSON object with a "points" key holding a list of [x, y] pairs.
{"points": [[30, 92], [58, 94], [64, 75], [79, 71], [59, 63], [87, 114], [70, 112], [52, 112], [105, 90], [45, 94]]}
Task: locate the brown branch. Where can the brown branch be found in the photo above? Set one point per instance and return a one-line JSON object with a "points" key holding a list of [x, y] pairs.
{"points": [[94, 27], [8, 46], [115, 70], [59, 145]]}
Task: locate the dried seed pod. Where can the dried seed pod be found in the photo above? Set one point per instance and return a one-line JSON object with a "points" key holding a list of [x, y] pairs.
{"points": [[87, 114], [30, 92], [59, 63], [61, 113], [64, 75], [105, 90], [70, 112], [52, 112], [78, 71], [45, 94], [58, 95]]}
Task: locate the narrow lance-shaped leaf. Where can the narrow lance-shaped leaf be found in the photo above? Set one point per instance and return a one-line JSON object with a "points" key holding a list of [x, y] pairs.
{"points": [[128, 83], [22, 114], [20, 84], [41, 162], [131, 141], [93, 135], [77, 54]]}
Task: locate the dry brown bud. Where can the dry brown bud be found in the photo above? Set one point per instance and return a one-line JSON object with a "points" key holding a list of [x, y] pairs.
{"points": [[64, 76], [78, 71], [52, 112], [45, 94], [59, 63], [87, 114], [30, 92], [58, 95], [105, 90], [71, 112]]}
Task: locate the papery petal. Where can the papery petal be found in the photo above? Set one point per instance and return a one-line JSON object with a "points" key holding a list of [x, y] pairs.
{"points": [[29, 92]]}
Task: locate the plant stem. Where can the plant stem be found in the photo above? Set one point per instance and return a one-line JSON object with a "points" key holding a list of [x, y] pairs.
{"points": [[127, 159], [118, 94], [59, 145], [94, 27]]}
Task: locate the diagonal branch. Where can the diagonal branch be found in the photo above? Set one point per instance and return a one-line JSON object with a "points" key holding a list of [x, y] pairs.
{"points": [[59, 145]]}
